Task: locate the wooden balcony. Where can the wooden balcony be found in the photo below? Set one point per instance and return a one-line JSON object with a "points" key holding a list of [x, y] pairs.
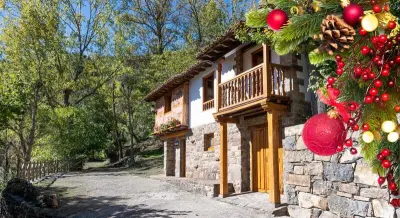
{"points": [[261, 84], [208, 105]]}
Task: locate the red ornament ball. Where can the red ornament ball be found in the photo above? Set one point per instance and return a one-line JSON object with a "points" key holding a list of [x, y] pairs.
{"points": [[385, 97], [392, 186], [355, 127], [397, 108], [377, 8], [385, 72], [340, 64], [338, 58], [339, 148], [331, 80], [352, 14], [322, 134], [378, 83], [381, 180], [391, 84], [380, 157], [353, 151], [391, 25], [365, 127], [349, 143], [386, 164], [385, 152], [276, 19], [368, 99], [339, 71], [395, 202], [373, 92], [362, 32], [365, 50]]}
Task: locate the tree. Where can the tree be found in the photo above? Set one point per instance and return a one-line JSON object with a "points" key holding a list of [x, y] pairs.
{"points": [[205, 21], [27, 43], [157, 24]]}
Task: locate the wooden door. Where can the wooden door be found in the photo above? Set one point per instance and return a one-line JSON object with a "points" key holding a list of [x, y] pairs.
{"points": [[260, 159], [182, 169]]}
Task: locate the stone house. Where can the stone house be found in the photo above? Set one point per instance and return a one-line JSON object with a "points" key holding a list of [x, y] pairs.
{"points": [[234, 119]]}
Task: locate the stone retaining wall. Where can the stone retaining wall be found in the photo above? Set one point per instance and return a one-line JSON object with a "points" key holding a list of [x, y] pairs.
{"points": [[328, 187]]}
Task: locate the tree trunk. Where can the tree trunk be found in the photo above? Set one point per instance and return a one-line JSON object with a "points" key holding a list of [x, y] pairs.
{"points": [[117, 134]]}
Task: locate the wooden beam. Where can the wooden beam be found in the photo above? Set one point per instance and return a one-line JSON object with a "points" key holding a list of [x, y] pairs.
{"points": [[273, 154], [223, 159], [174, 135], [227, 119]]}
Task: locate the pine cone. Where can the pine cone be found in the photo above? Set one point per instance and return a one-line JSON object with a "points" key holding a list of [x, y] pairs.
{"points": [[336, 35]]}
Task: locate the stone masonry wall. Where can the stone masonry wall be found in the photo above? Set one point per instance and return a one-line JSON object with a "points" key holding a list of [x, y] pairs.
{"points": [[329, 187], [169, 158], [202, 164]]}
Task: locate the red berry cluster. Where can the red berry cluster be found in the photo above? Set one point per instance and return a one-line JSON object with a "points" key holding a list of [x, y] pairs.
{"points": [[385, 153], [382, 64]]}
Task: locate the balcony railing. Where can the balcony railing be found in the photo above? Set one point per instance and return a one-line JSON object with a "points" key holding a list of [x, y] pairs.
{"points": [[208, 105], [253, 85]]}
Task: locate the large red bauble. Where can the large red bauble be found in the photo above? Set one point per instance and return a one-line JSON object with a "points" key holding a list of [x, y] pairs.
{"points": [[322, 134], [352, 14], [276, 19]]}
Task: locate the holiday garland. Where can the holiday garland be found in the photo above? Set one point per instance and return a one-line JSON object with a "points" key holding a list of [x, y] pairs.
{"points": [[355, 44]]}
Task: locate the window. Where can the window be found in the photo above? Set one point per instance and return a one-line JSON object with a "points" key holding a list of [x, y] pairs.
{"points": [[208, 87], [167, 103], [209, 142], [257, 57]]}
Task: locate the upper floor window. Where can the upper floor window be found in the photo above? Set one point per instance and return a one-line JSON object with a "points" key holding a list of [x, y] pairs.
{"points": [[257, 57], [208, 91], [167, 103]]}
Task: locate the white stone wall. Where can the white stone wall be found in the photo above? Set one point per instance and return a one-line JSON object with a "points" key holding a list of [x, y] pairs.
{"points": [[341, 185]]}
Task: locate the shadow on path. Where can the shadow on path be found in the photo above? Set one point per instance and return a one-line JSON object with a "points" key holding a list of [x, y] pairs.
{"points": [[82, 207]]}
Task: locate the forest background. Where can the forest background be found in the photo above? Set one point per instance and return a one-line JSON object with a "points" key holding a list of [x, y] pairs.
{"points": [[73, 73]]}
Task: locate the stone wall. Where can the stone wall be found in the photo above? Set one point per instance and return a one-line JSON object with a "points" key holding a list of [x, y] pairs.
{"points": [[203, 164], [169, 158], [327, 187]]}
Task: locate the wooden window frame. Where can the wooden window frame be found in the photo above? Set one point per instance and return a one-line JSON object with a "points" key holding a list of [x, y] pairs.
{"points": [[208, 103], [207, 137], [167, 104]]}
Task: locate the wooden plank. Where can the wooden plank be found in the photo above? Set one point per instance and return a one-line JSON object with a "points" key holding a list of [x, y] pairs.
{"points": [[223, 129], [273, 161], [174, 135]]}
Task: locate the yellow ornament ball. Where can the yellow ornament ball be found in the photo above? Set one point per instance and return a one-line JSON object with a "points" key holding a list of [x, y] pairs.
{"points": [[388, 126], [368, 137], [370, 22], [393, 137]]}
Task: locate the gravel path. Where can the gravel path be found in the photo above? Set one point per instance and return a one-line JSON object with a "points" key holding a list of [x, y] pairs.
{"points": [[113, 193]]}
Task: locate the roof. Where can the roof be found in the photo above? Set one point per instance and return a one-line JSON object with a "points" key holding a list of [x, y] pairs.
{"points": [[221, 45], [215, 50], [177, 80]]}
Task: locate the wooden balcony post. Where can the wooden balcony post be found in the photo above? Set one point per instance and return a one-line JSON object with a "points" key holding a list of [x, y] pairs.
{"points": [[185, 106], [273, 155], [267, 85], [223, 159]]}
